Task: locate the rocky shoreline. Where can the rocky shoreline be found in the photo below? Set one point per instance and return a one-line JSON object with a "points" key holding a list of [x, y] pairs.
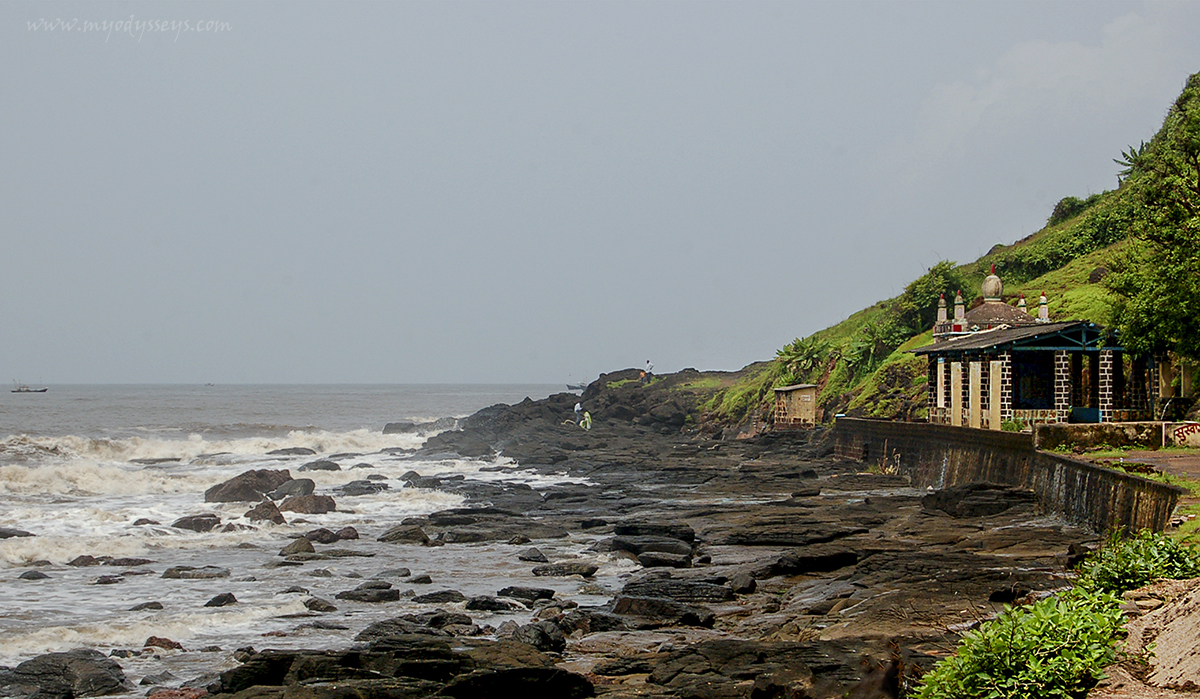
{"points": [[765, 568]]}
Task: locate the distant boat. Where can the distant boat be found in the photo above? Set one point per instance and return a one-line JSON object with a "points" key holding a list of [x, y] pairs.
{"points": [[576, 386], [22, 388]]}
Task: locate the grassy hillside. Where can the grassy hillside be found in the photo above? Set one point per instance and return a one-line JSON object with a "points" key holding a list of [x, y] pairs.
{"points": [[862, 364]]}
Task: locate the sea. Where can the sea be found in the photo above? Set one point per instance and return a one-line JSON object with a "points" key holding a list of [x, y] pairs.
{"points": [[80, 464]]}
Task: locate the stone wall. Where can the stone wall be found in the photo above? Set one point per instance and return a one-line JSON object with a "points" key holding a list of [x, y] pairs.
{"points": [[940, 456], [1099, 435]]}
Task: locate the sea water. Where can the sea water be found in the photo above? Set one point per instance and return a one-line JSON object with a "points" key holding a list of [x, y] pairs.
{"points": [[80, 464]]}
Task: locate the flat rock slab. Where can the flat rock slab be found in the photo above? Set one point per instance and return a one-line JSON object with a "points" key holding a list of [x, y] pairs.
{"points": [[586, 570]]}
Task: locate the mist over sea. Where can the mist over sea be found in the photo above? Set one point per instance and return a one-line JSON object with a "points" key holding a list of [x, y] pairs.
{"points": [[80, 464]]}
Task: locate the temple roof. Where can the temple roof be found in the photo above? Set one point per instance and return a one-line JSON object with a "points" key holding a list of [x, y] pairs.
{"points": [[995, 313], [1069, 335]]}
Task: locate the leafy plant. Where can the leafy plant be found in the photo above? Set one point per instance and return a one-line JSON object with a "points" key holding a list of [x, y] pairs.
{"points": [[1057, 647], [1123, 565]]}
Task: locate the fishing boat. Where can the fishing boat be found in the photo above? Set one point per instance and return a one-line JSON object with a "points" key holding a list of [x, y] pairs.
{"points": [[576, 386], [22, 388]]}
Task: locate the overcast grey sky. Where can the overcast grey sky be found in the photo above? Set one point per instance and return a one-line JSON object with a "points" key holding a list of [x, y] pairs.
{"points": [[516, 191]]}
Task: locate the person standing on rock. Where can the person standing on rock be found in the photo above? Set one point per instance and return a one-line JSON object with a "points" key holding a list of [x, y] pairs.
{"points": [[586, 423], [646, 372], [578, 413]]}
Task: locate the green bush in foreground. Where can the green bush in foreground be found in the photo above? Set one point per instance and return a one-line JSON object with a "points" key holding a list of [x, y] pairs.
{"points": [[1124, 565], [1057, 648]]}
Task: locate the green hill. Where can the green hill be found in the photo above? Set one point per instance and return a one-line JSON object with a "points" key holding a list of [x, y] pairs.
{"points": [[1106, 258]]}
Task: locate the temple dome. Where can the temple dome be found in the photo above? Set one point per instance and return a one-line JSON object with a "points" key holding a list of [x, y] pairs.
{"points": [[993, 288]]}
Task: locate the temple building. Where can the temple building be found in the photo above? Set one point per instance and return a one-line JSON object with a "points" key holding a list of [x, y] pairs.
{"points": [[996, 363]]}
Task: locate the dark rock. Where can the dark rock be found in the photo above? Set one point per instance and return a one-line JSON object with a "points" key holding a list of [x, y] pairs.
{"points": [[75, 673], [590, 621], [248, 486], [82, 561], [629, 665], [108, 580], [157, 679], [651, 544], [682, 532], [265, 511], [743, 582], [531, 594], [519, 540], [191, 573], [33, 575], [143, 521], [678, 590], [321, 536], [300, 545], [347, 533], [364, 487], [978, 499], [655, 612], [160, 642], [532, 555], [370, 595], [520, 682], [197, 523], [8, 533], [292, 451], [399, 427], [322, 465], [127, 562], [308, 504], [317, 604], [144, 606], [810, 560], [543, 635], [405, 534], [586, 570], [393, 573], [654, 559], [298, 486], [484, 603], [421, 580], [440, 597], [222, 600], [592, 523]]}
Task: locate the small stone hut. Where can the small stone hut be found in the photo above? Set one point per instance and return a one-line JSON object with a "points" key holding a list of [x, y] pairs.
{"points": [[795, 406]]}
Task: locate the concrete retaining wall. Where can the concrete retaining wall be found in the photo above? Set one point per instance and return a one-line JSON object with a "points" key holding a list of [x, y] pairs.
{"points": [[940, 456]]}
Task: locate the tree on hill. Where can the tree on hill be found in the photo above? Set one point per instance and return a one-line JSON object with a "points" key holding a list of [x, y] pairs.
{"points": [[1158, 282]]}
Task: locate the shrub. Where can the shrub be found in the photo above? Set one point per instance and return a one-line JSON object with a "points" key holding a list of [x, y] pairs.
{"points": [[1057, 647], [1123, 565]]}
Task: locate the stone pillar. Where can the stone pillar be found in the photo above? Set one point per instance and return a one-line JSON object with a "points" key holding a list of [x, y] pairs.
{"points": [[995, 394], [975, 395], [941, 390], [1105, 373], [956, 392], [1062, 385]]}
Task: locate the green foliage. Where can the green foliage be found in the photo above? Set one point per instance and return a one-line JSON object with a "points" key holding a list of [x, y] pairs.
{"points": [[917, 306], [1124, 565], [1069, 207], [753, 392], [1162, 275], [800, 358], [1057, 647]]}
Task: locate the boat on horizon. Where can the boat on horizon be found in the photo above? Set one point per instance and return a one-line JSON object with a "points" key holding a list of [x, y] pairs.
{"points": [[576, 386], [23, 388]]}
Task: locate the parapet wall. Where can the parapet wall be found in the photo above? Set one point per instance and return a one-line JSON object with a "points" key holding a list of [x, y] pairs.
{"points": [[941, 456]]}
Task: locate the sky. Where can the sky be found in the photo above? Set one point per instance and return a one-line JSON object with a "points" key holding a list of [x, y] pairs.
{"points": [[505, 192]]}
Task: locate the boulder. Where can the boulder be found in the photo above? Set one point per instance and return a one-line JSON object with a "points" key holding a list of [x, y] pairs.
{"points": [[292, 451], [682, 532], [192, 573], [347, 533], [520, 682], [82, 672], [197, 523], [316, 604], [543, 635], [399, 427], [322, 536], [440, 597], [485, 603], [222, 600], [298, 486], [33, 575], [405, 534], [84, 560], [248, 486], [532, 555], [322, 465], [146, 606], [654, 559], [530, 594], [8, 533], [654, 612], [364, 487], [678, 590], [265, 511], [308, 504], [300, 545], [373, 591], [564, 569]]}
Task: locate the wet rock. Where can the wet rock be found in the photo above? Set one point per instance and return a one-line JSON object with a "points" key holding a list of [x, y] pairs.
{"points": [[143, 521], [638, 545], [321, 536], [678, 590], [179, 693], [590, 620], [300, 545], [160, 642], [810, 560], [322, 465], [978, 499], [193, 573], [249, 486], [519, 540], [265, 511], [75, 673], [543, 635], [374, 591], [682, 532], [440, 597], [108, 580], [157, 679], [586, 570], [316, 604], [485, 603], [364, 487], [82, 561], [743, 582], [347, 533], [653, 559], [197, 523], [292, 451], [127, 562], [421, 580], [222, 600], [654, 612], [308, 504], [33, 575], [529, 594], [399, 427], [146, 606], [393, 573], [298, 486], [405, 534], [532, 555], [8, 533]]}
